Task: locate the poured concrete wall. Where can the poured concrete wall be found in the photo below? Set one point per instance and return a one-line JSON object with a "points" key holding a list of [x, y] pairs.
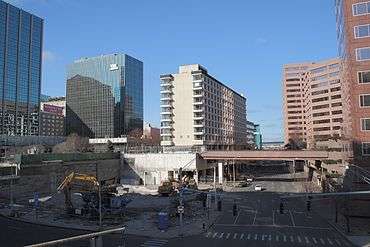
{"points": [[153, 168]]}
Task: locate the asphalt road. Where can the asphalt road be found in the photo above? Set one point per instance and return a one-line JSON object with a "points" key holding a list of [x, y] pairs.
{"points": [[257, 223]]}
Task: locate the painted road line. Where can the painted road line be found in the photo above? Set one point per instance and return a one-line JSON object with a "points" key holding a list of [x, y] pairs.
{"points": [[284, 238], [314, 240], [208, 234], [228, 235], [255, 216], [299, 239], [235, 234], [214, 235], [221, 235], [338, 242], [255, 236], [249, 236], [270, 237], [237, 217], [291, 217], [330, 242], [307, 241], [322, 241], [241, 236], [276, 226], [263, 237]]}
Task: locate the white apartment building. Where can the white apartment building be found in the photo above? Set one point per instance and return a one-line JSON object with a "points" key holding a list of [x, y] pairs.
{"points": [[198, 110]]}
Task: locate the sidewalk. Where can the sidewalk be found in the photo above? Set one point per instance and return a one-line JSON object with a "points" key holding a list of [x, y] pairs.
{"points": [[146, 225]]}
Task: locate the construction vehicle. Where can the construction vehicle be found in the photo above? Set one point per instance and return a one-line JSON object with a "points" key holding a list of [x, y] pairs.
{"points": [[92, 192], [167, 188]]}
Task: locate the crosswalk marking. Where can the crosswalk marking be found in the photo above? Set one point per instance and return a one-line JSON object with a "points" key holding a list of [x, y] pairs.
{"points": [[154, 243], [314, 240], [299, 239], [338, 242], [322, 241], [332, 241], [307, 241]]}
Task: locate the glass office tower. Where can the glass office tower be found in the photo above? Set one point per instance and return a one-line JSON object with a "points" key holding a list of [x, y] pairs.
{"points": [[20, 71], [105, 96]]}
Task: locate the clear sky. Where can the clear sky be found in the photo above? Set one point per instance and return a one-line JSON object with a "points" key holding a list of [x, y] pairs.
{"points": [[242, 43]]}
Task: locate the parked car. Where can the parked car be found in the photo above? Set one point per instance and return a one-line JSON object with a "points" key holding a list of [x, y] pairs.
{"points": [[258, 187]]}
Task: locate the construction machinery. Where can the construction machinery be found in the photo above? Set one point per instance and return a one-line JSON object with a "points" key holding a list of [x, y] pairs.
{"points": [[93, 193]]}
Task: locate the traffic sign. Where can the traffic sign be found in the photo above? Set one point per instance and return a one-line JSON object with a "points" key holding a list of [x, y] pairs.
{"points": [[180, 209]]}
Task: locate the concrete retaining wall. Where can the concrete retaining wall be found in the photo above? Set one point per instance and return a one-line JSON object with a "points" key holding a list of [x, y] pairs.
{"points": [[153, 168], [45, 178]]}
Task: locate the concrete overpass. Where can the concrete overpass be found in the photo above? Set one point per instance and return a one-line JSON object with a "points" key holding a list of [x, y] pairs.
{"points": [[266, 155]]}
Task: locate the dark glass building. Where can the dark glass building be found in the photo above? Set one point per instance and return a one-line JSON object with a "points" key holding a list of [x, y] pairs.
{"points": [[105, 96], [20, 71]]}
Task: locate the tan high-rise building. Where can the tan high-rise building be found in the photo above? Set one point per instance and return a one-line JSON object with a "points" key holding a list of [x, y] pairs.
{"points": [[312, 102], [353, 33], [198, 110]]}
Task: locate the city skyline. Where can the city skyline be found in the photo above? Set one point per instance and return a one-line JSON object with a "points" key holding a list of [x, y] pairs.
{"points": [[242, 56]]}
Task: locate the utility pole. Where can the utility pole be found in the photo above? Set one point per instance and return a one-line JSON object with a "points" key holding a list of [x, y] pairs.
{"points": [[99, 194]]}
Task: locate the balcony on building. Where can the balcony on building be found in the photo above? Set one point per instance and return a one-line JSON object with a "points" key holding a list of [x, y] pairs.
{"points": [[198, 116], [198, 101], [166, 80], [166, 96], [198, 108]]}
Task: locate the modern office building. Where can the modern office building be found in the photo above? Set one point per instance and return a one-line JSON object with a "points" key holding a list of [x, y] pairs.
{"points": [[312, 102], [254, 136], [197, 110], [105, 96], [52, 116], [20, 71], [353, 33]]}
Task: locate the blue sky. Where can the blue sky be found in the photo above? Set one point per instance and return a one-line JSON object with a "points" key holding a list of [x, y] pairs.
{"points": [[242, 43]]}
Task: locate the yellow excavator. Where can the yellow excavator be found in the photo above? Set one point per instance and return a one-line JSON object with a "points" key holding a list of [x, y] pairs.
{"points": [[88, 186]]}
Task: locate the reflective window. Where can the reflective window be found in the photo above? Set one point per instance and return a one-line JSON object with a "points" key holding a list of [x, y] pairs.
{"points": [[361, 8], [365, 124], [365, 100], [363, 54], [366, 148], [362, 31], [364, 76]]}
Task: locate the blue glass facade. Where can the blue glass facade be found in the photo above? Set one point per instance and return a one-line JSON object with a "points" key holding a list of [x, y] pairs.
{"points": [[20, 70], [105, 96]]}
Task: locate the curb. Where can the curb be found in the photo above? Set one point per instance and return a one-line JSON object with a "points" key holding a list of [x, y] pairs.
{"points": [[335, 228]]}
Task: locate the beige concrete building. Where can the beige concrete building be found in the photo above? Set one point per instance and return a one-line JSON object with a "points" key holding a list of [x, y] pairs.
{"points": [[197, 110], [312, 103]]}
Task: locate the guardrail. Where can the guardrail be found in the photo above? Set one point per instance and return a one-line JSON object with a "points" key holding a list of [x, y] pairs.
{"points": [[95, 239]]}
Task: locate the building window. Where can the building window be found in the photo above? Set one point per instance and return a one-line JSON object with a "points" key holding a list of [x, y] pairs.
{"points": [[366, 148], [364, 100], [362, 31], [361, 8], [363, 54], [364, 76], [365, 124]]}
